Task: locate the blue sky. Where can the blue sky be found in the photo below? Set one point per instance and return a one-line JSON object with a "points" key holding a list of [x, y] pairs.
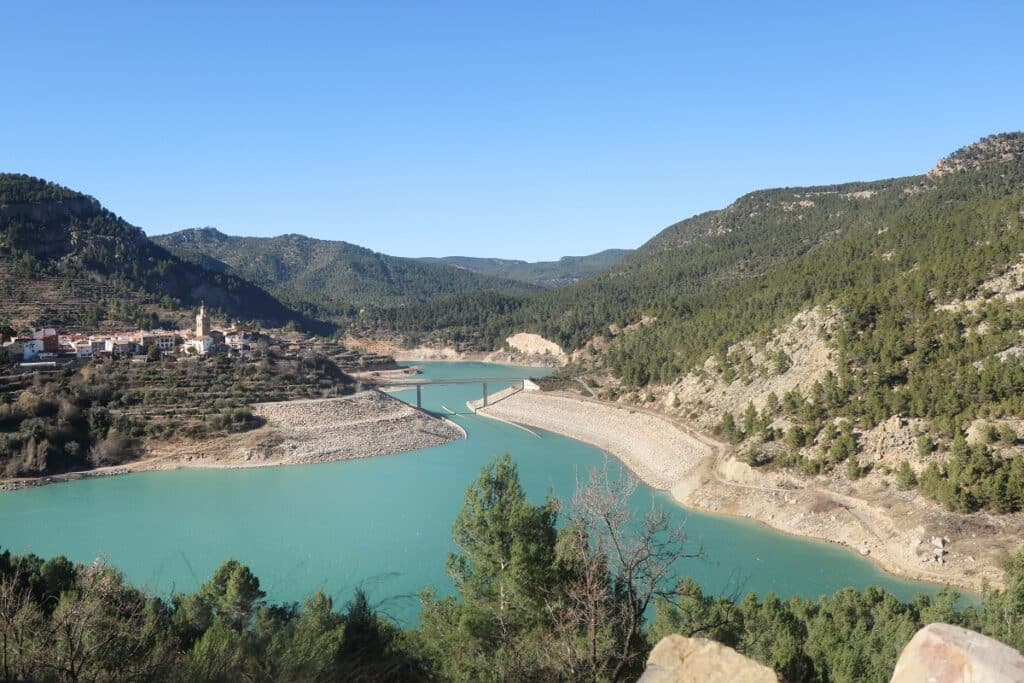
{"points": [[519, 130]]}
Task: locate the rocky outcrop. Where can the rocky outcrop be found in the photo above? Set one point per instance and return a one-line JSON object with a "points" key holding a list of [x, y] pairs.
{"points": [[1004, 148], [938, 653], [941, 653], [795, 357], [676, 659], [525, 342], [1007, 285], [447, 353]]}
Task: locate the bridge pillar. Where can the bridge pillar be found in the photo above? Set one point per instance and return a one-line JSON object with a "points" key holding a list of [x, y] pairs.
{"points": [[485, 394], [419, 396]]}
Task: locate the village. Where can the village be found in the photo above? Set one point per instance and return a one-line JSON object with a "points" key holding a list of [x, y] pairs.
{"points": [[47, 346]]}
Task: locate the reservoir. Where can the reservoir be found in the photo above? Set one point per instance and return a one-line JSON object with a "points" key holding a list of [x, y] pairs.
{"points": [[383, 523]]}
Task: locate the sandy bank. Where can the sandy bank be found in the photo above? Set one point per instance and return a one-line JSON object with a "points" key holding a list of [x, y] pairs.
{"points": [[701, 473], [654, 449], [363, 425], [426, 354]]}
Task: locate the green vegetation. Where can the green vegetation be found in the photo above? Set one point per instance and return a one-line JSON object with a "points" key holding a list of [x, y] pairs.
{"points": [[883, 258], [66, 260], [974, 477], [329, 277], [471, 321], [535, 601], [101, 414], [882, 253], [64, 622], [880, 258], [546, 274]]}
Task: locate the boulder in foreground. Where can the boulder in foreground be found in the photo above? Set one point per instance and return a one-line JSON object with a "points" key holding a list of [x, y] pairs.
{"points": [[941, 653], [677, 659]]}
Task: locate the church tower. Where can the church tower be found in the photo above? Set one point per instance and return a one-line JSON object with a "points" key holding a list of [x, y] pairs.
{"points": [[202, 322]]}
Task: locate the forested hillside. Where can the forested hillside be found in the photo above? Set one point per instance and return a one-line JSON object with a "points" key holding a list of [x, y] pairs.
{"points": [[67, 261], [329, 278], [546, 274], [922, 278], [719, 277], [692, 265]]}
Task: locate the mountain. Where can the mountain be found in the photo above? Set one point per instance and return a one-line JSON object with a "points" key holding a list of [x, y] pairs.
{"points": [[833, 333], [722, 276], [331, 277], [67, 261], [546, 274]]}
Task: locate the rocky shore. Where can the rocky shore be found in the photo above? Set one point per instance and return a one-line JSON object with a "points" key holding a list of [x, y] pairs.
{"points": [[361, 426], [532, 360], [529, 350], [366, 424], [702, 473]]}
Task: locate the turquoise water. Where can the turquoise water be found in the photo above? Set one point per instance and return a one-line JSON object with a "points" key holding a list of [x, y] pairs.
{"points": [[380, 523]]}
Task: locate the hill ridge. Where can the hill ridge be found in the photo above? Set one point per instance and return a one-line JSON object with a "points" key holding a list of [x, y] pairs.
{"points": [[66, 260]]}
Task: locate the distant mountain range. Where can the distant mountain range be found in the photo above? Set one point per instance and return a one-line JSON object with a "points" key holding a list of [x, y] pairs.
{"points": [[546, 274], [67, 261], [330, 277], [710, 280]]}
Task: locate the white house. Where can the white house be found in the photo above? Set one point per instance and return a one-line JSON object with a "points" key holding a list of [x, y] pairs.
{"points": [[201, 346], [163, 340], [30, 348], [119, 347], [83, 349], [236, 340]]}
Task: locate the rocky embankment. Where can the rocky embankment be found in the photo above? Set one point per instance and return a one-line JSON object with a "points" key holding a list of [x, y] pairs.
{"points": [[900, 532], [360, 426], [871, 514], [424, 353], [363, 425]]}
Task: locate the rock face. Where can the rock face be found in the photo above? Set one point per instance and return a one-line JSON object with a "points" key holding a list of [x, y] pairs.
{"points": [[795, 357], [940, 653], [525, 342], [676, 659]]}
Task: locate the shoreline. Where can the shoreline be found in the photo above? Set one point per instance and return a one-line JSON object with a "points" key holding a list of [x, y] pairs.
{"points": [[700, 473], [505, 358], [708, 480], [303, 432]]}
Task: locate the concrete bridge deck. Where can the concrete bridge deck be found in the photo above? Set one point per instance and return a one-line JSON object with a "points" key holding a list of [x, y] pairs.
{"points": [[420, 383]]}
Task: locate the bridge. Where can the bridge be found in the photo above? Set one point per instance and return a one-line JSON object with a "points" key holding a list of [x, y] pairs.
{"points": [[522, 382]]}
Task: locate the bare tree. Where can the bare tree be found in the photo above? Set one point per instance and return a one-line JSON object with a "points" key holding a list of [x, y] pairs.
{"points": [[617, 566], [98, 631], [20, 618]]}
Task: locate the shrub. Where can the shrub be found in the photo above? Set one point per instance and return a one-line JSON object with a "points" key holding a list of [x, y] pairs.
{"points": [[114, 450], [905, 477], [1007, 435]]}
